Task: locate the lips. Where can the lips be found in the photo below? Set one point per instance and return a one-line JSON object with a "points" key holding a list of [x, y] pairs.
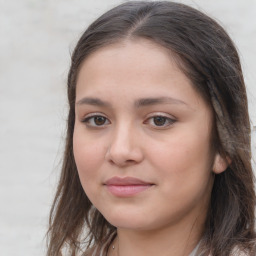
{"points": [[126, 187]]}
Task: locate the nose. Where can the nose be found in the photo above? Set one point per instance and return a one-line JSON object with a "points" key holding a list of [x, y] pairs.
{"points": [[125, 147]]}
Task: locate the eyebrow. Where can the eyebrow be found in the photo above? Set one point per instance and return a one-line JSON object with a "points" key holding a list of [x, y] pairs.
{"points": [[138, 103], [93, 101], [160, 100]]}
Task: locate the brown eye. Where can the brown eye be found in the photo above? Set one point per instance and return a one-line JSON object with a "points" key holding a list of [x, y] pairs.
{"points": [[96, 121], [99, 120], [159, 120]]}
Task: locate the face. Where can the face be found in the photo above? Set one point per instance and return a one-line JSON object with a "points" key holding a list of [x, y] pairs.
{"points": [[142, 137]]}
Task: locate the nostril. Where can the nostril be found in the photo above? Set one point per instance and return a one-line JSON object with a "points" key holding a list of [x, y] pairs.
{"points": [[119, 162], [123, 152], [130, 161]]}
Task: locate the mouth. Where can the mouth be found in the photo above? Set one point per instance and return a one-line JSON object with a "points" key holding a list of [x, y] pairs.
{"points": [[126, 187]]}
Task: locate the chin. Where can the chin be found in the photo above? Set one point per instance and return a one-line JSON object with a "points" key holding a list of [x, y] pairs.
{"points": [[136, 221], [128, 221]]}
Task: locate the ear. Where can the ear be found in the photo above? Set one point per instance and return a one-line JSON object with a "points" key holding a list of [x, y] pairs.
{"points": [[220, 163]]}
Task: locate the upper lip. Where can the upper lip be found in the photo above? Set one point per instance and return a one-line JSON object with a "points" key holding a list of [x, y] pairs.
{"points": [[126, 181]]}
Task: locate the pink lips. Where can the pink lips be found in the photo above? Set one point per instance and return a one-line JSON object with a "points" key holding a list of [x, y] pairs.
{"points": [[126, 187]]}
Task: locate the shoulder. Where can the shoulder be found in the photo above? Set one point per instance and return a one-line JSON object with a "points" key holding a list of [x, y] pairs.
{"points": [[238, 252], [100, 249], [90, 252]]}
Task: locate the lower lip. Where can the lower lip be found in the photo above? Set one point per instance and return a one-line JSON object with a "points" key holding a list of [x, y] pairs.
{"points": [[127, 190]]}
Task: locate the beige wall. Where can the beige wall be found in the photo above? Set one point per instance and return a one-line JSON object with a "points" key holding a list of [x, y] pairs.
{"points": [[36, 37]]}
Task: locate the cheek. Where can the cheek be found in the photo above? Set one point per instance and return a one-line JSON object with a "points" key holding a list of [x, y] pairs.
{"points": [[184, 173], [180, 152], [184, 161], [88, 155]]}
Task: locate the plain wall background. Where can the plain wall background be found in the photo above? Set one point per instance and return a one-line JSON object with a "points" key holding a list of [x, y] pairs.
{"points": [[36, 38]]}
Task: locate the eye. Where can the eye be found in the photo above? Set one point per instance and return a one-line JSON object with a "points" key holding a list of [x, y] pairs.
{"points": [[96, 121], [160, 121]]}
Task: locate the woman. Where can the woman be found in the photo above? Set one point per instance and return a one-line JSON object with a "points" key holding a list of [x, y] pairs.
{"points": [[157, 158]]}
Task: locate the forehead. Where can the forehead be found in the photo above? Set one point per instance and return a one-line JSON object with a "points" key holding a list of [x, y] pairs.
{"points": [[138, 67], [130, 58]]}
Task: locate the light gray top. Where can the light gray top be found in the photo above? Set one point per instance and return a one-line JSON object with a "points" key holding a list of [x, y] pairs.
{"points": [[102, 251]]}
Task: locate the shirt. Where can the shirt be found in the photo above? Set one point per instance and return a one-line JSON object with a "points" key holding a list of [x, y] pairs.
{"points": [[103, 249]]}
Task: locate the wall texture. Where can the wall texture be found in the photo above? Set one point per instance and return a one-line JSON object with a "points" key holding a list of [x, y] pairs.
{"points": [[36, 38]]}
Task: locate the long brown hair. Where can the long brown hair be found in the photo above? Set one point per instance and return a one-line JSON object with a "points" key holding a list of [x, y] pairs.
{"points": [[207, 55]]}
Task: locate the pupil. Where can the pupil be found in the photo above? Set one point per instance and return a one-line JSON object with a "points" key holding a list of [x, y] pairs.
{"points": [[99, 120], [159, 120]]}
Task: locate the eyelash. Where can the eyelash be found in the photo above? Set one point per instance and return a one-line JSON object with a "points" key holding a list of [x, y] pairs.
{"points": [[167, 121], [92, 118]]}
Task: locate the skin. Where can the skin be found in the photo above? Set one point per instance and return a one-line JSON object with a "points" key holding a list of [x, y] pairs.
{"points": [[175, 156]]}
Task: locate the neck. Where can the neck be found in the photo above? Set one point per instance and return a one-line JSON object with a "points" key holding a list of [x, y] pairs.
{"points": [[177, 240]]}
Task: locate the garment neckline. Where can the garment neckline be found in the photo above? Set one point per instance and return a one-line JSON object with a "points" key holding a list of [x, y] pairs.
{"points": [[112, 236]]}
